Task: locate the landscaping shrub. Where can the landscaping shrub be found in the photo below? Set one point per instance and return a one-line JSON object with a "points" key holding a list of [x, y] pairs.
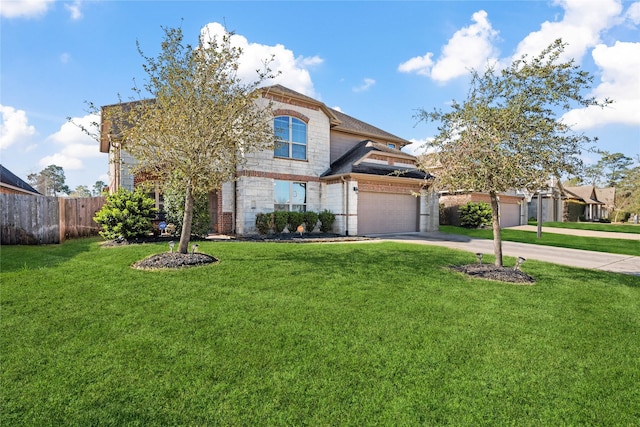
{"points": [[280, 220], [327, 219], [311, 220], [573, 211], [126, 214], [473, 215], [444, 214], [294, 220], [264, 222], [174, 207]]}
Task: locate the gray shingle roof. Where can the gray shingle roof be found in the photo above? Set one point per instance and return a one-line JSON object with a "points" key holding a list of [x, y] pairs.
{"points": [[342, 122], [8, 177], [348, 162]]}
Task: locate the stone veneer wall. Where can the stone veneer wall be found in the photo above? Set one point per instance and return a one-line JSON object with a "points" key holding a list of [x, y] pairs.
{"points": [[256, 179]]}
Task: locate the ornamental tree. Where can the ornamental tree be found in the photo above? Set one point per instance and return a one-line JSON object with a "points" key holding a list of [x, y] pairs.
{"points": [[194, 119], [507, 135]]}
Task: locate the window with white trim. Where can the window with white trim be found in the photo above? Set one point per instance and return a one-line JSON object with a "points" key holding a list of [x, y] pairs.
{"points": [[289, 196], [291, 135]]}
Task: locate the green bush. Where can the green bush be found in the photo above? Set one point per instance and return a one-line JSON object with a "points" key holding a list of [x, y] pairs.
{"points": [[264, 222], [310, 219], [295, 219], [174, 207], [573, 210], [444, 214], [280, 220], [473, 215], [326, 221], [126, 214]]}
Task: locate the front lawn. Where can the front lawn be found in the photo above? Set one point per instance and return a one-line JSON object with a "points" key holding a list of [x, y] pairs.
{"points": [[596, 226], [311, 334], [597, 244]]}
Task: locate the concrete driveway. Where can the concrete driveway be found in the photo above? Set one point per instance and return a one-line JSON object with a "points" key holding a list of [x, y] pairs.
{"points": [[625, 264]]}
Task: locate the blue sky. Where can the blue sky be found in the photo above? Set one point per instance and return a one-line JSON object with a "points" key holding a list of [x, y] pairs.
{"points": [[376, 61]]}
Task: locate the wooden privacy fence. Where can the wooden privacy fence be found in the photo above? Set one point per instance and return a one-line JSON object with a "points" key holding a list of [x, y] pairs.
{"points": [[35, 220]]}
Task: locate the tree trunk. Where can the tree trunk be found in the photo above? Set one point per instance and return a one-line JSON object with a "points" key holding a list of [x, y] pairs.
{"points": [[495, 220], [185, 236]]}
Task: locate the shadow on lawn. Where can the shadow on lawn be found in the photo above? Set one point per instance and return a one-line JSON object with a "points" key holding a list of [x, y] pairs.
{"points": [[22, 257]]}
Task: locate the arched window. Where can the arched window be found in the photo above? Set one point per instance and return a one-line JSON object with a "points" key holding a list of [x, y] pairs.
{"points": [[291, 134]]}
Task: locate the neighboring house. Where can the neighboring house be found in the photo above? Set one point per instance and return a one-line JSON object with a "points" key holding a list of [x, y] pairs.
{"points": [[598, 201], [513, 207], [325, 160], [512, 204], [568, 204], [11, 184]]}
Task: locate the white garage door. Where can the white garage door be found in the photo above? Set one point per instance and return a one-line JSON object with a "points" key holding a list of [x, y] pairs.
{"points": [[509, 215], [387, 213]]}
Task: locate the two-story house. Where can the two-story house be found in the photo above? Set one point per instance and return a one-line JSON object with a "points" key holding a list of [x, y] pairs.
{"points": [[324, 159]]}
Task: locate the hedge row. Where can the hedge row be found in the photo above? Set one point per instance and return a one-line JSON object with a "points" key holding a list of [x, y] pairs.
{"points": [[277, 221]]}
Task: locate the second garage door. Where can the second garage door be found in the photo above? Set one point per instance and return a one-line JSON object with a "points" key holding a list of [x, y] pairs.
{"points": [[509, 215], [387, 213]]}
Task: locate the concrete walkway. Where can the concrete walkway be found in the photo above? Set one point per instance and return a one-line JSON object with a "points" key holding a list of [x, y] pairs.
{"points": [[625, 264]]}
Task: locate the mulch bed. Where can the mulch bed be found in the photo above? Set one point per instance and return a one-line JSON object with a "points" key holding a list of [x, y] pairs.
{"points": [[174, 260], [493, 272], [301, 238]]}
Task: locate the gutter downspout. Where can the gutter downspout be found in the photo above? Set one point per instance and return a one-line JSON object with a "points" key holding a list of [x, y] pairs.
{"points": [[235, 206], [346, 216]]}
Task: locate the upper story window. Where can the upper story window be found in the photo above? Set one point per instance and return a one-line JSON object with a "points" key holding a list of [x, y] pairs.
{"points": [[291, 134], [391, 145]]}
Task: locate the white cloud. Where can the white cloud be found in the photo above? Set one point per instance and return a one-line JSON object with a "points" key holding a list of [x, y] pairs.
{"points": [[65, 58], [76, 145], [419, 64], [61, 159], [469, 48], [366, 84], [294, 71], [15, 127], [580, 27], [620, 81], [74, 9], [24, 8], [633, 13], [417, 146]]}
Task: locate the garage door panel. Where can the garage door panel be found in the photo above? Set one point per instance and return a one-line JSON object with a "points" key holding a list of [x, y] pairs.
{"points": [[387, 213], [509, 215]]}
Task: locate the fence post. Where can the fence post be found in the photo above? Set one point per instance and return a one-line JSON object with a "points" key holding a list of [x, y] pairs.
{"points": [[62, 218]]}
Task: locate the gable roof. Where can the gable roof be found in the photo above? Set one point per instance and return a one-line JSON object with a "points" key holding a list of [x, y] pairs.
{"points": [[606, 195], [9, 180], [350, 124], [338, 120], [355, 161], [586, 193]]}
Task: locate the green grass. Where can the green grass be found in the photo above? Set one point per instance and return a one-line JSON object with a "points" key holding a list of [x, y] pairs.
{"points": [[597, 244], [311, 334], [596, 226]]}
